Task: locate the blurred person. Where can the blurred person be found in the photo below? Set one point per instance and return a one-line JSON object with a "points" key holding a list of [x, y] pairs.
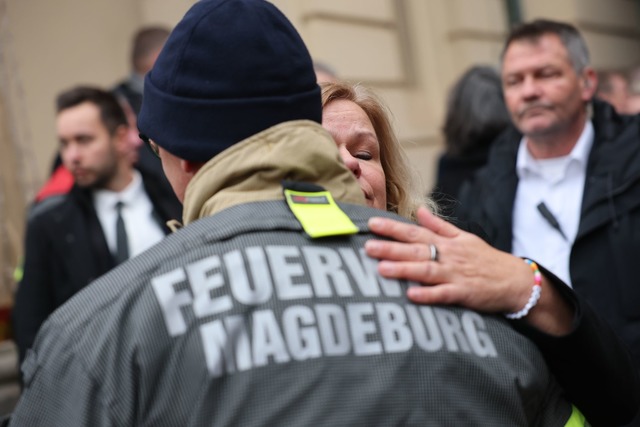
{"points": [[261, 310], [614, 89], [475, 116], [560, 323], [564, 186], [146, 46], [633, 101], [75, 238], [60, 180], [324, 72]]}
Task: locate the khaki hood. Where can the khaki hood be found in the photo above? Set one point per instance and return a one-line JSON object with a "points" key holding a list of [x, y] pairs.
{"points": [[252, 170]]}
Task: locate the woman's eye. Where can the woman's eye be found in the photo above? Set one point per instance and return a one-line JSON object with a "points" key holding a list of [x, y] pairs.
{"points": [[364, 156]]}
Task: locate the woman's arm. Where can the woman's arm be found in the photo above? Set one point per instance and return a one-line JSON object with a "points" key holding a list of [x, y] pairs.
{"points": [[589, 361], [468, 272]]}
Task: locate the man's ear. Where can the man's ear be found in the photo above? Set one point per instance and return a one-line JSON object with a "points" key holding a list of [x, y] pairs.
{"points": [[589, 83]]}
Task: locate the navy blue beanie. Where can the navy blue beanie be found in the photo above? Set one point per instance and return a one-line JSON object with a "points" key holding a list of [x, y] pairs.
{"points": [[230, 69]]}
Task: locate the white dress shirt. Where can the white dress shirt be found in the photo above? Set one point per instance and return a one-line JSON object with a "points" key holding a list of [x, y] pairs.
{"points": [[143, 231], [559, 184]]}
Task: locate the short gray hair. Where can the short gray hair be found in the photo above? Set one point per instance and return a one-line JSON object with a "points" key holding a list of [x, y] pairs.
{"points": [[569, 35]]}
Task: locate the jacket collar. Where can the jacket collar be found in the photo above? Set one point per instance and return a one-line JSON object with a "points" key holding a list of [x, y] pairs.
{"points": [[166, 206], [252, 170], [614, 163], [614, 166], [499, 192]]}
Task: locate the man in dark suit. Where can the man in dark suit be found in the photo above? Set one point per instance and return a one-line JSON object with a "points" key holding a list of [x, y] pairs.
{"points": [[563, 187], [112, 212], [146, 46]]}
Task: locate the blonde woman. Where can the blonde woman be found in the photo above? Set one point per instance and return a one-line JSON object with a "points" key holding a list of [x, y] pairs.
{"points": [[459, 268], [360, 124]]}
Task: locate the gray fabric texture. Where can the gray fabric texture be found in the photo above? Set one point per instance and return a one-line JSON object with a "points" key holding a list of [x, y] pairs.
{"points": [[110, 357]]}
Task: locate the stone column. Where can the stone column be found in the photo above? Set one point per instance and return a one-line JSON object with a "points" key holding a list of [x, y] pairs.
{"points": [[18, 174]]}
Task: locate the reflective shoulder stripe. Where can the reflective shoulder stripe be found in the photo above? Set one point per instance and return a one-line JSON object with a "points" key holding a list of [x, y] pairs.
{"points": [[576, 419], [318, 214], [18, 273]]}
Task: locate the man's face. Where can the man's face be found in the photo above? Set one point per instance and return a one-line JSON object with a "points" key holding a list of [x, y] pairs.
{"points": [[543, 92], [86, 147]]}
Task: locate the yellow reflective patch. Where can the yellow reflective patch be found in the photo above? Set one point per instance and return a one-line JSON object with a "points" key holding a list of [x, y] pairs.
{"points": [[18, 273], [318, 214], [576, 419]]}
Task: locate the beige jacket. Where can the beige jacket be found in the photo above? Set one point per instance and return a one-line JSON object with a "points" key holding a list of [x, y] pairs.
{"points": [[252, 170]]}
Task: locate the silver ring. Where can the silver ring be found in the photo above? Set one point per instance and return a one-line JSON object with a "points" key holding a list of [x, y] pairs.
{"points": [[434, 252]]}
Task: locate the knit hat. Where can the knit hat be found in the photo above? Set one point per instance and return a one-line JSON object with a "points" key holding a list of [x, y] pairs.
{"points": [[230, 69]]}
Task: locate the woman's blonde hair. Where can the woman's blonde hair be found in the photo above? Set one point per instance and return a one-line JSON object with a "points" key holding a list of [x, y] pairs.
{"points": [[404, 196]]}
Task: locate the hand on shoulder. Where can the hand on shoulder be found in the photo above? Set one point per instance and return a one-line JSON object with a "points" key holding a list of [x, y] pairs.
{"points": [[468, 272]]}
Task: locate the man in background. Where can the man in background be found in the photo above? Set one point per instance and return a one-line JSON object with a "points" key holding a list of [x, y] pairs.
{"points": [[563, 187], [633, 102], [324, 72], [112, 212], [614, 89], [147, 44]]}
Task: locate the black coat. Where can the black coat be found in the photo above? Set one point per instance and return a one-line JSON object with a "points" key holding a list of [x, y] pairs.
{"points": [[453, 172], [65, 250], [146, 159], [604, 256]]}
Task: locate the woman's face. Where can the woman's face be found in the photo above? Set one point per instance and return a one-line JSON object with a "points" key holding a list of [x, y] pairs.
{"points": [[356, 139]]}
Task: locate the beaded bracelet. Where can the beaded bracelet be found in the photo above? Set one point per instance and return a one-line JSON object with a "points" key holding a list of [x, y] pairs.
{"points": [[535, 292]]}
